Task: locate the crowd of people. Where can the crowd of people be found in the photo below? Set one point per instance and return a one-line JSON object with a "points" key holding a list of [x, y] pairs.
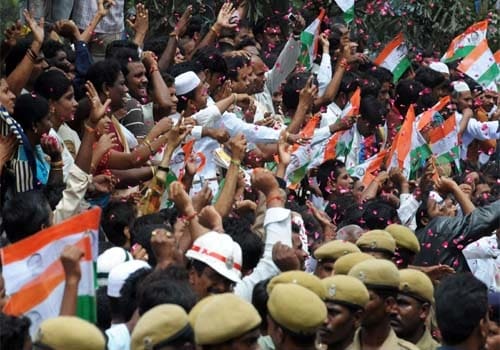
{"points": [[214, 233]]}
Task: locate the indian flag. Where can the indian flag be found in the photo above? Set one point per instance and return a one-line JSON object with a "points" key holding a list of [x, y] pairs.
{"points": [[394, 57], [309, 39], [444, 142], [34, 275], [426, 118], [497, 56], [480, 65], [463, 44], [347, 6], [406, 155], [368, 170]]}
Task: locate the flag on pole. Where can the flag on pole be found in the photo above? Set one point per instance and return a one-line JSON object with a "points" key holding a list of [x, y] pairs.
{"points": [[480, 65], [405, 155], [394, 57], [444, 142], [463, 44], [426, 118], [347, 6], [34, 275], [309, 38]]}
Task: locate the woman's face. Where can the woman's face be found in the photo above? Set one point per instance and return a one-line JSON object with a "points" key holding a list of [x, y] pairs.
{"points": [[7, 98], [103, 125], [65, 107], [118, 92]]}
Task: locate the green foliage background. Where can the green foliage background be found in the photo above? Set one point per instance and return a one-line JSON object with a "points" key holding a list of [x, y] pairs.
{"points": [[428, 24]]}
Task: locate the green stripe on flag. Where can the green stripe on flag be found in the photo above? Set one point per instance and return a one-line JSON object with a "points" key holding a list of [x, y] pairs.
{"points": [[86, 308], [307, 38], [489, 76], [460, 53], [401, 68], [297, 176], [349, 15], [448, 157]]}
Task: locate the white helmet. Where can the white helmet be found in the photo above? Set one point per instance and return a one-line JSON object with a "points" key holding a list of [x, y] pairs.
{"points": [[220, 252]]}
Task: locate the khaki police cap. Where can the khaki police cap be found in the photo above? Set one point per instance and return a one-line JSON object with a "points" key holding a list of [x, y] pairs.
{"points": [[345, 263], [378, 273], [417, 284], [223, 318], [335, 249], [301, 278], [346, 289], [158, 325], [404, 237], [69, 332], [376, 240], [296, 308], [195, 311]]}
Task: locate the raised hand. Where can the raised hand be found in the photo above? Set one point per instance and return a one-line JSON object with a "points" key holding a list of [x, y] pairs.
{"points": [[238, 146], [51, 147], [177, 133], [202, 198], [97, 109], [36, 28], [140, 23], [104, 183], [283, 149], [103, 7], [181, 26], [67, 28], [308, 93], [70, 259], [263, 180], [181, 199], [211, 219], [164, 247], [224, 17]]}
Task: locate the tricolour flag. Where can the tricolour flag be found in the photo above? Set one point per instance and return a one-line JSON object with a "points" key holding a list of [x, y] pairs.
{"points": [[34, 275], [408, 148], [497, 56], [368, 170], [480, 65], [347, 6], [309, 39], [425, 118], [394, 57], [463, 44], [444, 142]]}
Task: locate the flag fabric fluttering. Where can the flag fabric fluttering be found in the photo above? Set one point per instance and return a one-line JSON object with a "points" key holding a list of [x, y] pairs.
{"points": [[347, 6], [444, 142], [309, 39], [480, 65], [464, 43], [368, 170], [394, 57], [34, 275]]}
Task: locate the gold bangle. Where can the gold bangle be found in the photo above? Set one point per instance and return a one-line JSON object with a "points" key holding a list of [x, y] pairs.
{"points": [[148, 143], [236, 162], [57, 164], [215, 31], [153, 170], [88, 128]]}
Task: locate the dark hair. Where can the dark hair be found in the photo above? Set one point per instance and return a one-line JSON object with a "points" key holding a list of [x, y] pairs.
{"points": [[337, 209], [461, 303], [125, 305], [14, 331], [234, 64], [51, 47], [52, 84], [211, 58], [251, 244], [349, 83], [291, 89], [378, 214], [16, 55], [246, 42], [103, 309], [104, 73], [329, 170], [195, 26], [383, 75], [183, 67], [429, 77], [160, 288], [116, 216], [169, 80], [142, 236], [372, 110], [124, 56], [335, 36], [24, 214], [407, 92], [259, 300], [369, 86], [157, 45], [30, 109], [118, 44]]}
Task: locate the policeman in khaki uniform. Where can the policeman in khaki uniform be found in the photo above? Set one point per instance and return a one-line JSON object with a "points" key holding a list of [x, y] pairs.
{"points": [[407, 244], [378, 243], [381, 278], [416, 295], [345, 263], [227, 322], [328, 253], [164, 327], [346, 298], [68, 332], [295, 315], [300, 278]]}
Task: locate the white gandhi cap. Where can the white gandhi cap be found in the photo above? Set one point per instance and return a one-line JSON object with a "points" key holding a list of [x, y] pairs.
{"points": [[119, 274], [186, 82]]}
